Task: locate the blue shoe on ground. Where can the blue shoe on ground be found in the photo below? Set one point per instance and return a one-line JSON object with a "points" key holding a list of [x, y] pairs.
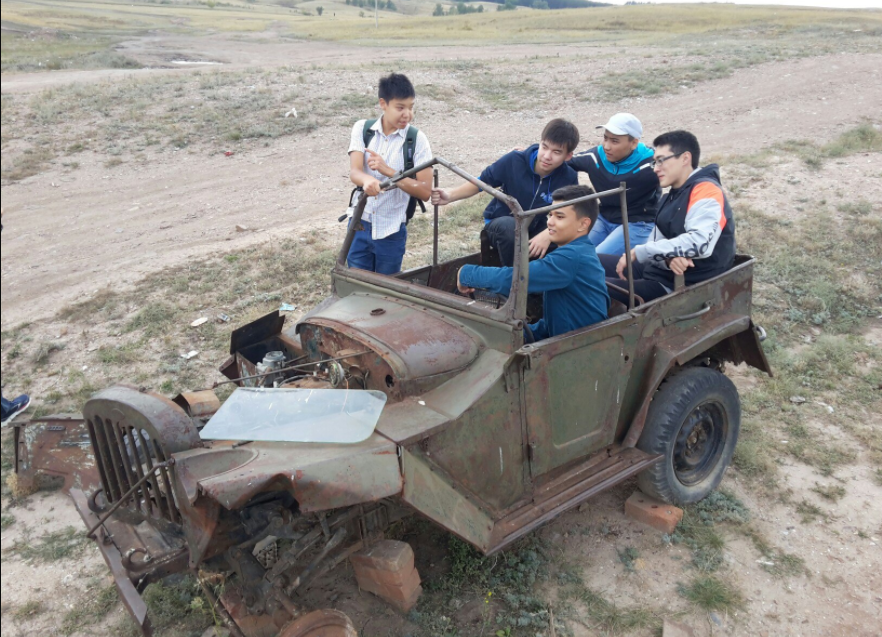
{"points": [[12, 408]]}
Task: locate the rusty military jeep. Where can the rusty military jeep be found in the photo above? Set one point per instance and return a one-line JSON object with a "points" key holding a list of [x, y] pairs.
{"points": [[397, 395]]}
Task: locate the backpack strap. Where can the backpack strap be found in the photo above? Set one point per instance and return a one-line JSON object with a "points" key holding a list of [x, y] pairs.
{"points": [[367, 134], [409, 147]]}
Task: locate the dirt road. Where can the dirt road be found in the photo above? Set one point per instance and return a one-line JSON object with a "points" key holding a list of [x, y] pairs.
{"points": [[69, 234]]}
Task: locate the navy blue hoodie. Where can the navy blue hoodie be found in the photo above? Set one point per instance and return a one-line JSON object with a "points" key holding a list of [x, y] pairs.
{"points": [[513, 173]]}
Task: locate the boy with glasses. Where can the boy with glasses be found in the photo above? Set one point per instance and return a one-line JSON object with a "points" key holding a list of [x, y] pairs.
{"points": [[694, 231]]}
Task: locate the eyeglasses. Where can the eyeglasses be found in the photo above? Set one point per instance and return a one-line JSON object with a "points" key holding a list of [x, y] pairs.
{"points": [[658, 161]]}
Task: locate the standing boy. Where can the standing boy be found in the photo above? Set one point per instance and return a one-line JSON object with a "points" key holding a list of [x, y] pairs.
{"points": [[570, 278], [621, 157], [530, 176], [379, 245]]}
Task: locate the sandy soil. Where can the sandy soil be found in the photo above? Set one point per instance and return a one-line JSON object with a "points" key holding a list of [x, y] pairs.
{"points": [[69, 235]]}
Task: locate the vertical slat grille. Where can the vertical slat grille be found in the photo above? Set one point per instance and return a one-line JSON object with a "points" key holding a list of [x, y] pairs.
{"points": [[125, 455]]}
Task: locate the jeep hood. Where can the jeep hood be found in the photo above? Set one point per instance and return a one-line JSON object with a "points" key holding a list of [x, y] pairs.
{"points": [[415, 341]]}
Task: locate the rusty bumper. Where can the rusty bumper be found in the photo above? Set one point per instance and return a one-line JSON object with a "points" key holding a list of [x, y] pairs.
{"points": [[114, 559]]}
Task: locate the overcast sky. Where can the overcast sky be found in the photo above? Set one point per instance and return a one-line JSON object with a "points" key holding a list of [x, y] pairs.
{"points": [[833, 4]]}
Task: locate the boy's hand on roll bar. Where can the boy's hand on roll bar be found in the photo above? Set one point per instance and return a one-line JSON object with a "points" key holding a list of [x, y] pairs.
{"points": [[679, 265], [440, 197], [371, 186]]}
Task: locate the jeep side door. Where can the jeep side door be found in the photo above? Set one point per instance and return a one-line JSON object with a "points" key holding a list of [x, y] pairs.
{"points": [[573, 387]]}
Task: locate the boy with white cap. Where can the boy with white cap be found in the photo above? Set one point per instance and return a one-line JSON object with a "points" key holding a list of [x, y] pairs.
{"points": [[621, 157]]}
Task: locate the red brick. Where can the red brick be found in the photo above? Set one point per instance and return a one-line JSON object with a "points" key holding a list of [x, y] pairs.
{"points": [[386, 578], [384, 588], [659, 515], [386, 570], [386, 555]]}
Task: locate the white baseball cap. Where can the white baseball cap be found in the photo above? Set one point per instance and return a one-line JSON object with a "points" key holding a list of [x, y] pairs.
{"points": [[624, 124]]}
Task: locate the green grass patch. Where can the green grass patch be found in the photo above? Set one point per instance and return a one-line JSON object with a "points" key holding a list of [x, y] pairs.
{"points": [[45, 349], [57, 50], [710, 593], [118, 354], [627, 557], [809, 512], [6, 521], [830, 492], [29, 610], [98, 603], [606, 617], [774, 561], [51, 547], [178, 608]]}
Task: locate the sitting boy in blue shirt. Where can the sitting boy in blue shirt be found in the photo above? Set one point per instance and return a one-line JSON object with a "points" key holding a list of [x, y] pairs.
{"points": [[570, 278]]}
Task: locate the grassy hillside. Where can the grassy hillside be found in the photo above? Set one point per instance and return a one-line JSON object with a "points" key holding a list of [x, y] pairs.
{"points": [[413, 23]]}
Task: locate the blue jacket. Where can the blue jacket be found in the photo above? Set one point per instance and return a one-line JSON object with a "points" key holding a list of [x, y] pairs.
{"points": [[571, 279], [514, 174]]}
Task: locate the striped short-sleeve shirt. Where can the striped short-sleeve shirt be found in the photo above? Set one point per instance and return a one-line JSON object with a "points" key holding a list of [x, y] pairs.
{"points": [[388, 210]]}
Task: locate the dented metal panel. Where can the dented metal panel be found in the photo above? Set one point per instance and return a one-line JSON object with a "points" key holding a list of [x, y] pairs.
{"points": [[438, 500], [319, 476]]}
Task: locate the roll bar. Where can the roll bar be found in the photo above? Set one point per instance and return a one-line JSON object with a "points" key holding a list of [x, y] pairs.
{"points": [[514, 309]]}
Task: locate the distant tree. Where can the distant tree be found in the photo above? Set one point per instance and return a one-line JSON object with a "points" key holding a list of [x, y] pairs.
{"points": [[480, 8], [439, 10], [510, 5], [390, 6], [319, 10], [540, 4]]}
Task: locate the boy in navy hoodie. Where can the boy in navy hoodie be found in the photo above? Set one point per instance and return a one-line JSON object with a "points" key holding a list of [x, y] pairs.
{"points": [[570, 278], [531, 176], [621, 157]]}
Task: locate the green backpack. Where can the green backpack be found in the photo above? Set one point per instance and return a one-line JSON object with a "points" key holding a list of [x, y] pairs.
{"points": [[408, 150]]}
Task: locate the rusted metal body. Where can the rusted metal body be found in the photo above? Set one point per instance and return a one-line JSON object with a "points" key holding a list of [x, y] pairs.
{"points": [[55, 449], [481, 433]]}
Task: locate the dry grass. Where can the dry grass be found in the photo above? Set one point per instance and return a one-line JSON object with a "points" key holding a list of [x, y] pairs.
{"points": [[57, 50]]}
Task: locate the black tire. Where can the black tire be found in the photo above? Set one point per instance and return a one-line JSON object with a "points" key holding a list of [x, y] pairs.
{"points": [[693, 421]]}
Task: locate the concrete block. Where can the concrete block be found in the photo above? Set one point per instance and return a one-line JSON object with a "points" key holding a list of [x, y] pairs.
{"points": [[659, 515]]}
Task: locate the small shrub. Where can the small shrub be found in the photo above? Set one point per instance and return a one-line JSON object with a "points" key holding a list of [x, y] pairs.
{"points": [[710, 593]]}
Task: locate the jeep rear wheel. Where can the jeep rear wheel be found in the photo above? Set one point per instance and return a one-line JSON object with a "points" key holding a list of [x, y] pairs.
{"points": [[693, 423]]}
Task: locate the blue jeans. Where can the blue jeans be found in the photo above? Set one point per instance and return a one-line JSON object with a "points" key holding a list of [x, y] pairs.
{"points": [[382, 256], [609, 238]]}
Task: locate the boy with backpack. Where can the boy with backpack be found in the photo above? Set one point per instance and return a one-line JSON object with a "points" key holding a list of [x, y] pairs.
{"points": [[379, 149]]}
